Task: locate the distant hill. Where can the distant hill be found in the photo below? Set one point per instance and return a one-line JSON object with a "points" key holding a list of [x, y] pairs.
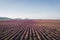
{"points": [[4, 18], [21, 19], [17, 19]]}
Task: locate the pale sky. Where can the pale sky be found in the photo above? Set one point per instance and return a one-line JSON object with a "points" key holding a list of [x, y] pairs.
{"points": [[33, 9]]}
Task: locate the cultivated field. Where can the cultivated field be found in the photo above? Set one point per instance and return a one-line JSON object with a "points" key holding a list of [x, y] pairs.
{"points": [[30, 30]]}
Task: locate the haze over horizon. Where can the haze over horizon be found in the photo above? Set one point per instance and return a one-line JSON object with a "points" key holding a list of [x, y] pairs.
{"points": [[31, 9]]}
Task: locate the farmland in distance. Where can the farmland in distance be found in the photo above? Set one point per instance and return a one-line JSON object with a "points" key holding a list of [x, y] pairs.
{"points": [[30, 30]]}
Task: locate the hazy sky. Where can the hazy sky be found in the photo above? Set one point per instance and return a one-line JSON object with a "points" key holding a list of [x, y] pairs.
{"points": [[36, 9]]}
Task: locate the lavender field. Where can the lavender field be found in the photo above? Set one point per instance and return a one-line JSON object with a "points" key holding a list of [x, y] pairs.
{"points": [[30, 30]]}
